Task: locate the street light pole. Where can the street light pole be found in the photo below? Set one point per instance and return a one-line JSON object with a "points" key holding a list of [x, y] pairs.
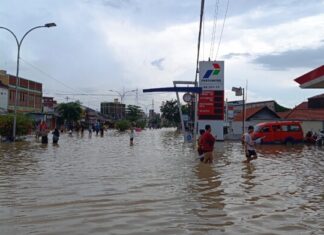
{"points": [[239, 91], [122, 96], [48, 25]]}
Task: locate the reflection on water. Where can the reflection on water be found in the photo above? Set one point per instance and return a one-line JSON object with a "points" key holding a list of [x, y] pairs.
{"points": [[104, 186]]}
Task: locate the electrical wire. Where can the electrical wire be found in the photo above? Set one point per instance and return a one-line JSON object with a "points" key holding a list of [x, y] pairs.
{"points": [[220, 38], [212, 41], [48, 75]]}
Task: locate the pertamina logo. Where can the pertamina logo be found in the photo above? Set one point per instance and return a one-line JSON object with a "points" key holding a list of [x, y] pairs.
{"points": [[214, 71]]}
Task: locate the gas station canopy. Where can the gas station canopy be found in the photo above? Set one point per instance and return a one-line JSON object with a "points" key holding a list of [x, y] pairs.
{"points": [[312, 79]]}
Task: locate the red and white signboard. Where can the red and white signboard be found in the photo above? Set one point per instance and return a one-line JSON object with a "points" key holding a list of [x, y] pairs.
{"points": [[211, 100]]}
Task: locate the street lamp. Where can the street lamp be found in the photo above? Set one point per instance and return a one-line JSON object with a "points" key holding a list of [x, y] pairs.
{"points": [[47, 25], [122, 96], [239, 91]]}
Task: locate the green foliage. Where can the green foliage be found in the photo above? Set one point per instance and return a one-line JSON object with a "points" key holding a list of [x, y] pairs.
{"points": [[155, 121], [71, 112], [24, 125], [279, 108], [133, 113], [141, 124], [122, 125], [170, 112]]}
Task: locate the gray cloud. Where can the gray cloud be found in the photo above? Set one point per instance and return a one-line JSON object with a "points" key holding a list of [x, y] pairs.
{"points": [[158, 63], [305, 58], [116, 3], [231, 55]]}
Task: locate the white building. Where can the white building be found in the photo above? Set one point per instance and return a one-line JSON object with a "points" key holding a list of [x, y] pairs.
{"points": [[3, 98]]}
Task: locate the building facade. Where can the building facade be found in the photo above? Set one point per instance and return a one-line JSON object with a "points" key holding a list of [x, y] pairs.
{"points": [[252, 117], [50, 116], [310, 113], [29, 93], [3, 98], [114, 110], [49, 104]]}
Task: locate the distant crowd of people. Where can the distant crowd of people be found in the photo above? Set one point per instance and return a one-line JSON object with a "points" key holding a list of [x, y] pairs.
{"points": [[42, 131]]}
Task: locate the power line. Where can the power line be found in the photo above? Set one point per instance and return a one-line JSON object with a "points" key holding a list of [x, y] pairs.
{"points": [[220, 38], [212, 41], [48, 75]]}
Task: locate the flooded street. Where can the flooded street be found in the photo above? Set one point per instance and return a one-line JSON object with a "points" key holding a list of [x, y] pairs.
{"points": [[104, 186]]}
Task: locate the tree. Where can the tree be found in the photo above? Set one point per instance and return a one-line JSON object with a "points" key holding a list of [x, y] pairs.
{"points": [[70, 112], [155, 121], [122, 125], [170, 112], [24, 125], [134, 114]]}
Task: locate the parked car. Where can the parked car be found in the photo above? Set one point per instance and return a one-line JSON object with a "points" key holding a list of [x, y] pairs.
{"points": [[280, 132]]}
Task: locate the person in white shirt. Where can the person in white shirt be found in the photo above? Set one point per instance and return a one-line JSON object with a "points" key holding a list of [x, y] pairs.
{"points": [[131, 137], [249, 143]]}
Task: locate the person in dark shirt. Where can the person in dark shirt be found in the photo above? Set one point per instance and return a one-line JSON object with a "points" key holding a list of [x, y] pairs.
{"points": [[56, 136]]}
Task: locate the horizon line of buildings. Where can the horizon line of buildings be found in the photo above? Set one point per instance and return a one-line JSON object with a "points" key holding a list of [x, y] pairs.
{"points": [[31, 100]]}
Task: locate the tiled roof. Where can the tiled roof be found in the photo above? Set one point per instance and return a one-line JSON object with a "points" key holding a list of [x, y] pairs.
{"points": [[250, 112], [302, 113], [283, 114]]}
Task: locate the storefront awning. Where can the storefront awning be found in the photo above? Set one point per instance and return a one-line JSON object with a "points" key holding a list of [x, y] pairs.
{"points": [[312, 79]]}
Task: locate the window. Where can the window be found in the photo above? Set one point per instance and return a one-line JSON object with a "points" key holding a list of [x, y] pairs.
{"points": [[294, 128], [12, 95], [276, 128], [265, 129], [21, 96], [284, 128]]}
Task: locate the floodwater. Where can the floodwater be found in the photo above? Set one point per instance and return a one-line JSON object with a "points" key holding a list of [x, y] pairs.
{"points": [[104, 186]]}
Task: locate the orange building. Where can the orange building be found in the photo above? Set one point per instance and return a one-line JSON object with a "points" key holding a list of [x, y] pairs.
{"points": [[29, 94]]}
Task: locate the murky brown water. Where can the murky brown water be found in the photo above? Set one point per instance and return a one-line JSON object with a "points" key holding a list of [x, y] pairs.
{"points": [[104, 186]]}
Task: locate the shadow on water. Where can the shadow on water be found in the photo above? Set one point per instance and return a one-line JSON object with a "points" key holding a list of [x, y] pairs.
{"points": [[248, 176], [209, 203]]}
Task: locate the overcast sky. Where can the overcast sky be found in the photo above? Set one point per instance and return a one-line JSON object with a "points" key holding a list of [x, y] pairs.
{"points": [[102, 45]]}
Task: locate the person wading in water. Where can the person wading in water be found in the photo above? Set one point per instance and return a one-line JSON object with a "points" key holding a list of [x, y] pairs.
{"points": [[207, 143]]}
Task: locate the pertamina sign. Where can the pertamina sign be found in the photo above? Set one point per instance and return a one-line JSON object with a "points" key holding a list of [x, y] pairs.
{"points": [[211, 100], [211, 75]]}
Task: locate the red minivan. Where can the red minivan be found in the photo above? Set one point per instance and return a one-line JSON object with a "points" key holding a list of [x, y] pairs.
{"points": [[282, 132]]}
